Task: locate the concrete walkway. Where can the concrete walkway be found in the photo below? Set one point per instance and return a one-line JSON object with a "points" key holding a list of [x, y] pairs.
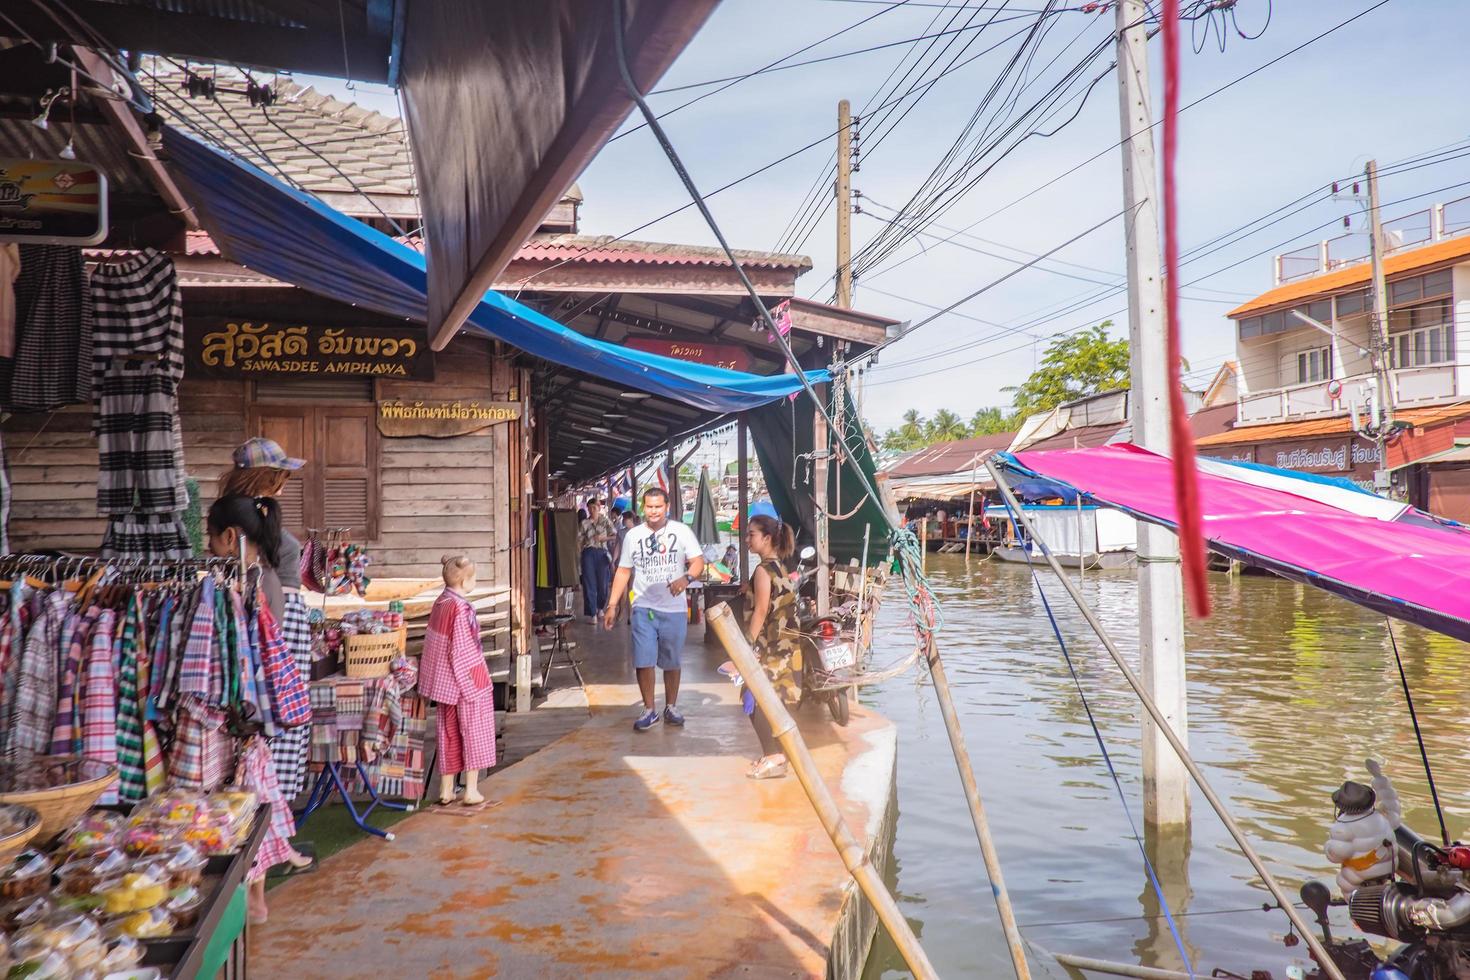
{"points": [[612, 853]]}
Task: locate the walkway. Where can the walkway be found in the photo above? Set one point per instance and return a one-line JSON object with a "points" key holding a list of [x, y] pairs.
{"points": [[612, 853]]}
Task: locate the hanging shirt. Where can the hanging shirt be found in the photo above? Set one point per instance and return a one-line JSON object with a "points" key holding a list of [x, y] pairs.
{"points": [[36, 689], [99, 698], [452, 670]]}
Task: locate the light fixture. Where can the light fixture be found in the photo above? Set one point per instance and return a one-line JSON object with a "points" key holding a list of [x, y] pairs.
{"points": [[635, 396], [602, 429], [589, 442], [614, 415], [69, 151], [47, 101]]}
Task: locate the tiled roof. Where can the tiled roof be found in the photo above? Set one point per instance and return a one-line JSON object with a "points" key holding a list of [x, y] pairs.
{"points": [[1349, 277], [1310, 428], [311, 140], [948, 457], [608, 250]]}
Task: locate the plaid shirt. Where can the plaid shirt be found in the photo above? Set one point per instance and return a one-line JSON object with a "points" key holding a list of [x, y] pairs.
{"points": [[600, 526], [131, 780], [10, 628], [99, 698], [35, 695], [66, 733], [194, 666], [290, 701]]}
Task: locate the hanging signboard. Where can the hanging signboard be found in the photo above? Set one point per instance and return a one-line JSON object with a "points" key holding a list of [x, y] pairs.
{"points": [[731, 356], [52, 202], [439, 419], [245, 349]]}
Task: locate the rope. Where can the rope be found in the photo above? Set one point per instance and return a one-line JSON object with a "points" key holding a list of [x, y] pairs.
{"points": [[1418, 735], [1107, 759]]}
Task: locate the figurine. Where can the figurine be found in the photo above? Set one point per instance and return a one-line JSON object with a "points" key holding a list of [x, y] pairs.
{"points": [[1361, 838]]}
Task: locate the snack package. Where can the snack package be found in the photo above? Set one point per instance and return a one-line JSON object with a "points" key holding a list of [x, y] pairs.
{"points": [[148, 838], [124, 953], [185, 907], [83, 875], [133, 892], [176, 806], [26, 912], [28, 874], [98, 831], [152, 923], [184, 865]]}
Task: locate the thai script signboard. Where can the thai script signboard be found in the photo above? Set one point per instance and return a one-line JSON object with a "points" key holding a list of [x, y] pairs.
{"points": [[439, 419], [730, 356], [55, 202], [246, 349]]}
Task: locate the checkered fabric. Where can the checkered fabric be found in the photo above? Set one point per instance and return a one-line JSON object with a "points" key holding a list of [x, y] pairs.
{"points": [[35, 694], [466, 736], [256, 773], [350, 713], [99, 698], [131, 782], [66, 732], [289, 701], [152, 537], [289, 748]]}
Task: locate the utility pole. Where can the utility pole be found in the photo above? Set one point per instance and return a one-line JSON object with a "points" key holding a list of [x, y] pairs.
{"points": [[844, 204], [1381, 344], [1160, 591]]}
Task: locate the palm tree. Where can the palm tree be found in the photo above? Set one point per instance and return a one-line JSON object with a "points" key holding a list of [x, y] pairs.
{"points": [[912, 429], [946, 426]]}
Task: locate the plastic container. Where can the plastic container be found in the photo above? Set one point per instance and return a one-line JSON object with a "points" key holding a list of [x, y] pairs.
{"points": [[29, 874], [135, 891], [84, 875], [26, 912], [136, 973], [148, 838], [185, 907], [47, 964], [124, 954], [148, 924], [184, 865], [96, 832]]}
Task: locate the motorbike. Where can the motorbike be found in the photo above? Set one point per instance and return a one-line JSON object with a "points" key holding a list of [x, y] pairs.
{"points": [[828, 644]]}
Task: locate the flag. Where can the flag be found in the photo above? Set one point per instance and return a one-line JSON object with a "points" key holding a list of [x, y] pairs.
{"points": [[781, 316]]}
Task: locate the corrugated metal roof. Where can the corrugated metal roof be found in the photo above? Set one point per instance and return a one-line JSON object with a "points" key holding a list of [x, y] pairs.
{"points": [[1311, 428], [948, 457], [1349, 277], [609, 250]]}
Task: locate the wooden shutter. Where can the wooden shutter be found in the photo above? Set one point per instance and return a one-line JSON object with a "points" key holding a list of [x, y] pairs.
{"points": [[294, 429], [348, 452]]}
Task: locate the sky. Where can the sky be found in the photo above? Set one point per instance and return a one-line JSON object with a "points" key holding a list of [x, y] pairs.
{"points": [[1383, 87]]}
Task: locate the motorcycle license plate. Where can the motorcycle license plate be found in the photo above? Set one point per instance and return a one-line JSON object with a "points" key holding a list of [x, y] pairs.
{"points": [[839, 655]]}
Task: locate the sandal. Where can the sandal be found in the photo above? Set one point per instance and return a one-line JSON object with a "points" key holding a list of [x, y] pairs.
{"points": [[768, 768]]}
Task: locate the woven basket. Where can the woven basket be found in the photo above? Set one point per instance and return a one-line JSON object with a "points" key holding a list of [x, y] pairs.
{"points": [[31, 826], [75, 785], [371, 654]]}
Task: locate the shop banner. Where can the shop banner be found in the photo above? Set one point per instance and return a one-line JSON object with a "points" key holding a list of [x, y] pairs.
{"points": [[440, 419], [53, 202], [245, 349], [731, 356]]}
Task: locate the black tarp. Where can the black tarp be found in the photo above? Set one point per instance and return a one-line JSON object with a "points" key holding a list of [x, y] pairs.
{"points": [[783, 436]]}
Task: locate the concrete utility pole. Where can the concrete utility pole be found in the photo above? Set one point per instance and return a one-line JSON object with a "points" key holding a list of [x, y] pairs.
{"points": [[844, 204], [1381, 344], [1160, 591]]}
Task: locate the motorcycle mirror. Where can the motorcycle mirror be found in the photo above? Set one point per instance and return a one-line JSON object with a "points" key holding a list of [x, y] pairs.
{"points": [[808, 553], [1316, 896]]}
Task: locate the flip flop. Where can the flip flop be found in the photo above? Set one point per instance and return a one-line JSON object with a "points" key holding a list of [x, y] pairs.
{"points": [[768, 769]]}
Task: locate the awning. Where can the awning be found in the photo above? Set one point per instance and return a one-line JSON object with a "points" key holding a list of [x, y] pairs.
{"points": [[1408, 567], [267, 226]]}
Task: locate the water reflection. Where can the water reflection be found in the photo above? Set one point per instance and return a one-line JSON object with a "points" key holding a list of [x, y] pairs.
{"points": [[1290, 689]]}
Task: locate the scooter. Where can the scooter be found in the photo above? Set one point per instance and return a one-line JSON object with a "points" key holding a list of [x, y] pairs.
{"points": [[828, 648]]}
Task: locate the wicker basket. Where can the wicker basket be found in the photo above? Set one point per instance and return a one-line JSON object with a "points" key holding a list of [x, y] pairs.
{"points": [[74, 786], [30, 822], [371, 654]]}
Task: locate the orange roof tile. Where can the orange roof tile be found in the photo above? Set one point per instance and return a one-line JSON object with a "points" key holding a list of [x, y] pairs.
{"points": [[1311, 428], [1347, 277]]}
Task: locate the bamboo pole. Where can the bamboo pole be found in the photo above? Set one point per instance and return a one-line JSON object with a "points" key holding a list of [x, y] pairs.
{"points": [[854, 855], [1324, 959], [1119, 969]]}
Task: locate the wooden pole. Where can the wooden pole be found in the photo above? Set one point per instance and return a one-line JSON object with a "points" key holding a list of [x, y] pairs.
{"points": [[1163, 726], [742, 493], [924, 544], [854, 855], [974, 478]]}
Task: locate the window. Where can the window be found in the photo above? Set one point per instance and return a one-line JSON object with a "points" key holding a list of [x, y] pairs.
{"points": [[338, 486], [1422, 334], [1314, 365], [1351, 304]]}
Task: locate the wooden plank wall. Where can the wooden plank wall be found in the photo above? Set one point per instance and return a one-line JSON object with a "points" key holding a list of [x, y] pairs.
{"points": [[438, 495]]}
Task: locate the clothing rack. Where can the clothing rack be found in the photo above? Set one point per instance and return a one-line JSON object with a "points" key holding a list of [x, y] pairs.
{"points": [[69, 566]]}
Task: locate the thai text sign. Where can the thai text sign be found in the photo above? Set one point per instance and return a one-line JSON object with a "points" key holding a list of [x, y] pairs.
{"points": [[442, 418], [1339, 457], [242, 348], [58, 202], [731, 356]]}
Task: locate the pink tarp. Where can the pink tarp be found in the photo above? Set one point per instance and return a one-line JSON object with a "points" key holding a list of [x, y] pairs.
{"points": [[1408, 570]]}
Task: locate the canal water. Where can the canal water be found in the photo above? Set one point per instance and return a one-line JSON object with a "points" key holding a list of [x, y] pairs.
{"points": [[1290, 690]]}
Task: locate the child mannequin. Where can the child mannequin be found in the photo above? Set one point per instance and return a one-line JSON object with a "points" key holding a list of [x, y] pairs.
{"points": [[453, 675]]}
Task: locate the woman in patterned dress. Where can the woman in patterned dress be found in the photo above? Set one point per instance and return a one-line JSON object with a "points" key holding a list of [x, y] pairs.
{"points": [[770, 626]]}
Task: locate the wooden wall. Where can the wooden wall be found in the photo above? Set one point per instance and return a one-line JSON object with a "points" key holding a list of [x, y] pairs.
{"points": [[437, 495]]}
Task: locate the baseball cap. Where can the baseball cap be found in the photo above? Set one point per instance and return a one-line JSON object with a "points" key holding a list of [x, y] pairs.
{"points": [[263, 452]]}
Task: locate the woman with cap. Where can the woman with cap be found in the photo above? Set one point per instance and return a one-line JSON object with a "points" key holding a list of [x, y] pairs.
{"points": [[261, 470]]}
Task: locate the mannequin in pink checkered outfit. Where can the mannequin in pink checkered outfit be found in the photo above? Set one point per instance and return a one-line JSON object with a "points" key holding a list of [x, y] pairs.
{"points": [[453, 675]]}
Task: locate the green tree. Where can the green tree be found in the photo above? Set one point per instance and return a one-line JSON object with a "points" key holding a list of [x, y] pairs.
{"points": [[989, 421], [913, 427], [946, 426], [1073, 367]]}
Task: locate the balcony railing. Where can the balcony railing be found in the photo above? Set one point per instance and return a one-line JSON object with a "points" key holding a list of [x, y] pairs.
{"points": [[1412, 386], [1406, 231]]}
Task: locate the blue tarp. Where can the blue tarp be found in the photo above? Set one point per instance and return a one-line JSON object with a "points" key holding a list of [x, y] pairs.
{"points": [[271, 228]]}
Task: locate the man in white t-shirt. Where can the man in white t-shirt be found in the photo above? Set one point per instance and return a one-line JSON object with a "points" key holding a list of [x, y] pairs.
{"points": [[661, 557]]}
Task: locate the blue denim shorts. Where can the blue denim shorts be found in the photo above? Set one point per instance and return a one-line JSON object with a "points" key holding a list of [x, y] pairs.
{"points": [[658, 638]]}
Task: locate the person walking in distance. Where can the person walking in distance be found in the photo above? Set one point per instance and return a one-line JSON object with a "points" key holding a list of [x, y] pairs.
{"points": [[660, 557], [593, 538]]}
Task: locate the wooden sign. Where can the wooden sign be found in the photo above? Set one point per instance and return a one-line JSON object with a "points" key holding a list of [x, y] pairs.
{"points": [[731, 356], [440, 419], [56, 202], [245, 349]]}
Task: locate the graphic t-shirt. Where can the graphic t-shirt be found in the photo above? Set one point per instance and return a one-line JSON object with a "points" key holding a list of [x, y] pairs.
{"points": [[658, 558]]}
